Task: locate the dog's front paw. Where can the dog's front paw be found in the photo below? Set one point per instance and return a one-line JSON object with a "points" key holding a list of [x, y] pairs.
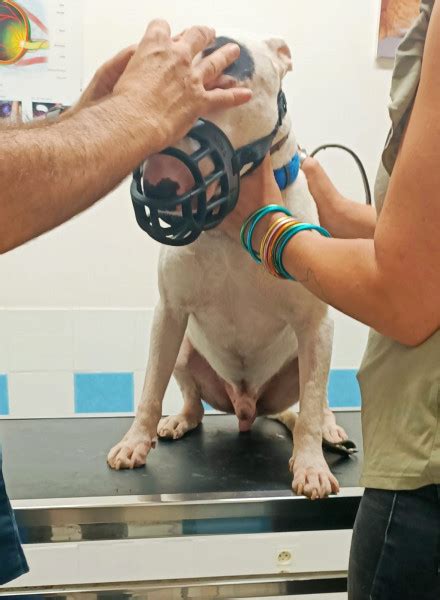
{"points": [[311, 475], [132, 450]]}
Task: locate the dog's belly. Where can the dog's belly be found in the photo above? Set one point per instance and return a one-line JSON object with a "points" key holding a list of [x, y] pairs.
{"points": [[245, 350], [278, 393]]}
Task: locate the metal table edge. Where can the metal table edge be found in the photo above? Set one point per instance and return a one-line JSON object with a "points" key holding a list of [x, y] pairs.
{"points": [[170, 500]]}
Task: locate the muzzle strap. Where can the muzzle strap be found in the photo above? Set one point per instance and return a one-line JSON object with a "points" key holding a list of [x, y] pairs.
{"points": [[254, 153]]}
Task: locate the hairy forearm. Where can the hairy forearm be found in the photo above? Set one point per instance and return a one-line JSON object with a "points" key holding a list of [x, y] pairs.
{"points": [[53, 172], [37, 123]]}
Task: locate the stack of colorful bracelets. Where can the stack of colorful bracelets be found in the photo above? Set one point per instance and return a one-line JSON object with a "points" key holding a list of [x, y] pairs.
{"points": [[280, 232]]}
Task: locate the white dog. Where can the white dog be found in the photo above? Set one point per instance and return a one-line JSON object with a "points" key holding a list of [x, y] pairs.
{"points": [[242, 341]]}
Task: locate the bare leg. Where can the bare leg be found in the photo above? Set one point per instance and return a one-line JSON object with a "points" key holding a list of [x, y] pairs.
{"points": [[166, 338]]}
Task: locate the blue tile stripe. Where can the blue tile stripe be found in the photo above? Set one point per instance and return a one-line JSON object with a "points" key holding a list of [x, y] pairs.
{"points": [[107, 393], [104, 393], [343, 389], [4, 396]]}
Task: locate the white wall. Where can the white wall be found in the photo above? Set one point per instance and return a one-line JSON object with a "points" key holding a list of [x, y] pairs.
{"points": [[79, 299], [336, 93]]}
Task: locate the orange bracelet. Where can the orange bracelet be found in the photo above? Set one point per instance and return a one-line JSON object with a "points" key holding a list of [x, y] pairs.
{"points": [[277, 224], [270, 239]]}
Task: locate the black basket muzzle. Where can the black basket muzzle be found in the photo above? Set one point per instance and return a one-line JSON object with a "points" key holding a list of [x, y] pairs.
{"points": [[178, 220]]}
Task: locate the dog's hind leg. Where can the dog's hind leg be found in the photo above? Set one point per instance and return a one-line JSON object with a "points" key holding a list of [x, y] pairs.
{"points": [[288, 418], [174, 427]]}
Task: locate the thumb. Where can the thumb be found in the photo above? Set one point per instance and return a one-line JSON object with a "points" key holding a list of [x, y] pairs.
{"points": [[261, 182]]}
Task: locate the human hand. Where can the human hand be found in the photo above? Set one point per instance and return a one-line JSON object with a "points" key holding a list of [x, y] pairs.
{"points": [[167, 83], [105, 78], [257, 190], [16, 113], [320, 185]]}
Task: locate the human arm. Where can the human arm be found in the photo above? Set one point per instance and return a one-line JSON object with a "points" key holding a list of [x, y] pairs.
{"points": [[53, 172], [100, 87], [342, 217], [392, 282]]}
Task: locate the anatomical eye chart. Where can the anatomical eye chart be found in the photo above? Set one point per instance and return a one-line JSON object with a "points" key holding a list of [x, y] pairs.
{"points": [[40, 56]]}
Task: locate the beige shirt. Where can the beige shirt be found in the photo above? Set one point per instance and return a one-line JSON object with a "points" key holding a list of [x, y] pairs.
{"points": [[401, 386]]}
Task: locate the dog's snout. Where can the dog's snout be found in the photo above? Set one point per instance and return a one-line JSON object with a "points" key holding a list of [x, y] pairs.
{"points": [[162, 190], [166, 176]]}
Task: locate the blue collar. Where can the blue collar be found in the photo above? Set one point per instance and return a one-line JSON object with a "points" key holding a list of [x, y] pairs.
{"points": [[288, 174]]}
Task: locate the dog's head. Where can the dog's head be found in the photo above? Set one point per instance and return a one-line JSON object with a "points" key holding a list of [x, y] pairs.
{"points": [[262, 66]]}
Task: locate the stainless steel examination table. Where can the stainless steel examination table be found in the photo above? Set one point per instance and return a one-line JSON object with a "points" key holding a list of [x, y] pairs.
{"points": [[211, 516]]}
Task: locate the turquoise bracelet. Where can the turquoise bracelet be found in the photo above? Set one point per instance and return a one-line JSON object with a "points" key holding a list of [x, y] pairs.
{"points": [[285, 239], [252, 222]]}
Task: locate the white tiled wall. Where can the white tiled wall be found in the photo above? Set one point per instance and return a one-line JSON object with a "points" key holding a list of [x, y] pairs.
{"points": [[34, 395], [41, 351], [35, 341], [109, 341]]}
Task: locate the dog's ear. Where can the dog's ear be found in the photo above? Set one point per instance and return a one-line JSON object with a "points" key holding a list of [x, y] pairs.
{"points": [[282, 54]]}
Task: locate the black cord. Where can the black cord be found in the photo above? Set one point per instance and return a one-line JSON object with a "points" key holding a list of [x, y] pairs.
{"points": [[358, 162]]}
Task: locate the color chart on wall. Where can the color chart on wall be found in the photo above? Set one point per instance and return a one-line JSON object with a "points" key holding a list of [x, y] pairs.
{"points": [[40, 56]]}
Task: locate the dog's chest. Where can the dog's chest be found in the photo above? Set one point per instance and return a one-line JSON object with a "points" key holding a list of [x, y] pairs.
{"points": [[242, 320]]}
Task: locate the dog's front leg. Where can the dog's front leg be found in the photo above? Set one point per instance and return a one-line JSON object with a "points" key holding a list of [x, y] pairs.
{"points": [[312, 476], [168, 330]]}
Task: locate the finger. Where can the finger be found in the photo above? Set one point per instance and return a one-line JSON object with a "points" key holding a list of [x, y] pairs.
{"points": [[121, 60], [212, 66], [198, 38], [179, 36], [113, 69], [223, 99], [266, 165], [158, 28], [256, 181], [224, 82]]}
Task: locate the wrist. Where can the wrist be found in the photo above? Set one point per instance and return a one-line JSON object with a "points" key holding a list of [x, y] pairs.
{"points": [[266, 233], [262, 228], [330, 210], [328, 199], [140, 130]]}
